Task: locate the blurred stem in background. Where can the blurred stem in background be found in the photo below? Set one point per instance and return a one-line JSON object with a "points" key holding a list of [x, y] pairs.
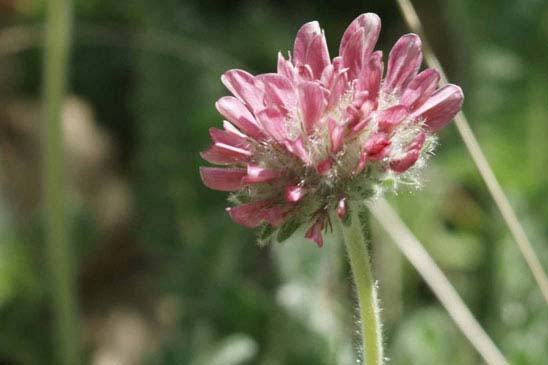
{"points": [[412, 249], [59, 256], [366, 291], [470, 141]]}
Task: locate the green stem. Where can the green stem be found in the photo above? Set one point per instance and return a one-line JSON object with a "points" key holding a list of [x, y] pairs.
{"points": [[59, 255], [360, 263]]}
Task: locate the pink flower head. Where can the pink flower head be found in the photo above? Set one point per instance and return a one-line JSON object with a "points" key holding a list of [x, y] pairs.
{"points": [[320, 133]]}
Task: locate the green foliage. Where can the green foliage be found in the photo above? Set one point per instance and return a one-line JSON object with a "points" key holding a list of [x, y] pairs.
{"points": [[233, 302]]}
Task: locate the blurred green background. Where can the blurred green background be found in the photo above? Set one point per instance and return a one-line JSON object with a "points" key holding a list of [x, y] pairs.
{"points": [[164, 277]]}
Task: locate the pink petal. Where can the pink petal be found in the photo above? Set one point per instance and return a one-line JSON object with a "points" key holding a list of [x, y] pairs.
{"points": [[441, 107], [243, 85], [277, 215], [274, 124], [223, 154], [359, 98], [279, 90], [404, 163], [358, 127], [222, 179], [326, 79], [364, 115], [353, 54], [352, 116], [341, 208], [372, 75], [420, 88], [324, 166], [257, 174], [285, 68], [361, 163], [297, 148], [336, 134], [403, 63], [376, 146], [314, 233], [305, 72], [236, 112], [390, 118], [337, 64], [418, 142], [294, 193], [311, 101], [311, 49], [370, 25], [250, 215], [337, 89], [229, 138], [232, 129]]}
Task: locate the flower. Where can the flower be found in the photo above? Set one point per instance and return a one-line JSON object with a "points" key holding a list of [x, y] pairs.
{"points": [[320, 133]]}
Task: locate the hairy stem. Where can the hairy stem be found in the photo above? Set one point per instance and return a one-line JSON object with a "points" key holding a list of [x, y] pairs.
{"points": [[366, 291], [59, 256]]}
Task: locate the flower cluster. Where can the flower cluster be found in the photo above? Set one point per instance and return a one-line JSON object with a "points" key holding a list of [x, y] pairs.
{"points": [[320, 133]]}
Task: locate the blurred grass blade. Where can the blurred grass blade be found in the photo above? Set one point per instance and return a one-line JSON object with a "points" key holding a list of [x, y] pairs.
{"points": [[437, 281], [59, 256], [19, 38], [467, 135]]}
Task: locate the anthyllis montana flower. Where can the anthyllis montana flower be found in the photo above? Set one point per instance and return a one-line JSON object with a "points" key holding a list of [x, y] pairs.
{"points": [[320, 133]]}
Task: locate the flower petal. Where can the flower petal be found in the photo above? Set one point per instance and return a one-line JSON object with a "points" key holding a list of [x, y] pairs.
{"points": [[441, 107], [324, 166], [297, 148], [376, 146], [341, 208], [371, 76], [224, 154], [275, 216], [311, 101], [362, 161], [336, 134], [390, 118], [285, 68], [403, 63], [222, 179], [249, 215], [237, 113], [294, 193], [405, 162], [229, 138], [243, 85], [252, 214], [370, 25], [417, 142], [279, 90], [352, 54], [337, 88], [314, 233], [311, 49], [273, 122], [420, 88], [257, 174], [408, 159], [230, 128]]}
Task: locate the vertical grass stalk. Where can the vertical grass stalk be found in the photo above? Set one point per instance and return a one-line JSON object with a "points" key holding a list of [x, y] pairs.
{"points": [[59, 256], [366, 291], [448, 296], [485, 170]]}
